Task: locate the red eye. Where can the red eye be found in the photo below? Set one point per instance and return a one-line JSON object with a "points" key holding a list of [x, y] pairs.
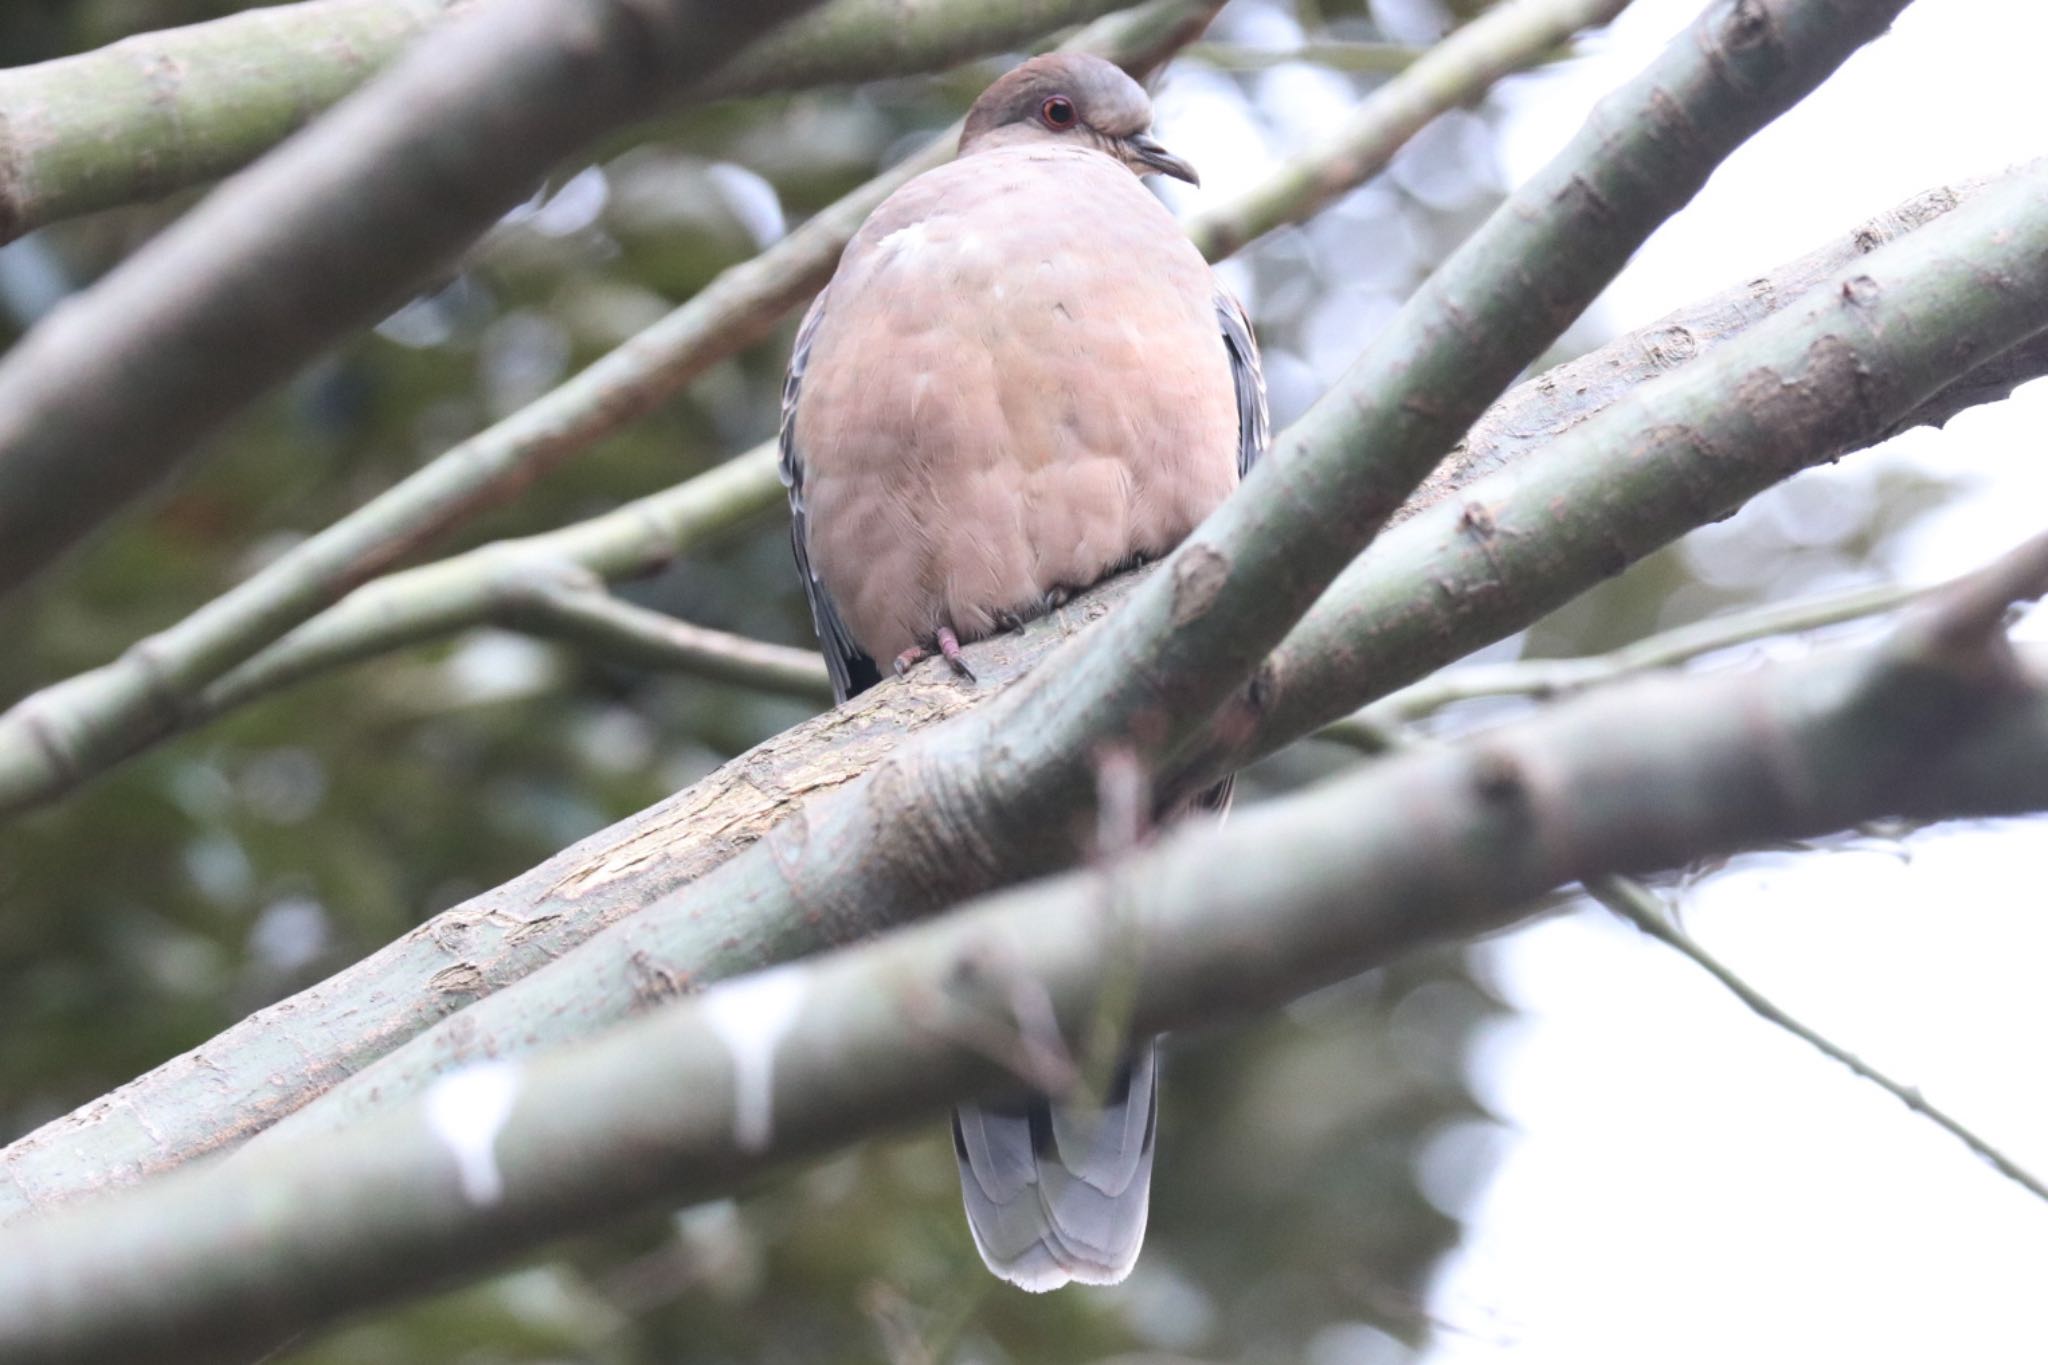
{"points": [[1057, 113]]}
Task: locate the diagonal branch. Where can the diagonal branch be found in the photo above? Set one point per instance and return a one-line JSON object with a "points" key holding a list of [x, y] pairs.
{"points": [[173, 680], [162, 111], [1498, 43], [1544, 679], [576, 608], [700, 1096], [995, 794], [157, 112], [1951, 292], [1382, 728], [1643, 908]]}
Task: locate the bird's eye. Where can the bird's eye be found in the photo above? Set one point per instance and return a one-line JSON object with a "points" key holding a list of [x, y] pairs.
{"points": [[1057, 113]]}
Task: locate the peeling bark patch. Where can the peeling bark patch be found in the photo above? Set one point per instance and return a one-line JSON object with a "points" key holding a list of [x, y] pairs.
{"points": [[1198, 575], [1669, 347], [653, 982], [1749, 25], [1860, 292], [464, 978], [750, 1015], [466, 1111]]}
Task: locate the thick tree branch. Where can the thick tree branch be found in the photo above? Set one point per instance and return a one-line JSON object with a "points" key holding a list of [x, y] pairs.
{"points": [[1574, 391], [226, 1091], [995, 795], [1383, 728], [1833, 373], [161, 111], [101, 399], [697, 1097], [173, 680]]}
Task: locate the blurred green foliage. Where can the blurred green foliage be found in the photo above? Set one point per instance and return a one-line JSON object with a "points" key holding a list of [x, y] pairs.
{"points": [[1312, 1167]]}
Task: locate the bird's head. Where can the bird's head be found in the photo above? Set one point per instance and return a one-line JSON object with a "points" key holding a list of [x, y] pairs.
{"points": [[1073, 98]]}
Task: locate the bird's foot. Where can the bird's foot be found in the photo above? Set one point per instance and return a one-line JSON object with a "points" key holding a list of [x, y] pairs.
{"points": [[949, 646]]}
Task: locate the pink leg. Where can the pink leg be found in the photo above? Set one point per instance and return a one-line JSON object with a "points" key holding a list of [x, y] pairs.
{"points": [[949, 645]]}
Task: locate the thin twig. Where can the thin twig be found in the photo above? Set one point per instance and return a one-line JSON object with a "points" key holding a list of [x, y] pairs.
{"points": [[1643, 908], [585, 614], [1366, 58], [1462, 67], [1971, 606], [1540, 679]]}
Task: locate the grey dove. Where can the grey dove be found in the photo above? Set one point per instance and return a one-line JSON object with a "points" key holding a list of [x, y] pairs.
{"points": [[1021, 380]]}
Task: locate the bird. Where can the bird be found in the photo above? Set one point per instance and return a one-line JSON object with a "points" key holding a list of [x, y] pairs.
{"points": [[1021, 379]]}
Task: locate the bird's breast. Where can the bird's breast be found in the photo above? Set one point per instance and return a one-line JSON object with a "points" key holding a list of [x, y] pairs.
{"points": [[1012, 390]]}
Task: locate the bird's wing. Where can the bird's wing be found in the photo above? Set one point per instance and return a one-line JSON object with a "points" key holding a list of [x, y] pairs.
{"points": [[1254, 426], [852, 671]]}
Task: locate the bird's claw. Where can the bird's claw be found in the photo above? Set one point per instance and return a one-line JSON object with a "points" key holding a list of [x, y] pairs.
{"points": [[949, 646]]}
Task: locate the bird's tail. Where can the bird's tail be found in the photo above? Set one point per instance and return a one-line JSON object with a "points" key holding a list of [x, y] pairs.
{"points": [[1058, 1193]]}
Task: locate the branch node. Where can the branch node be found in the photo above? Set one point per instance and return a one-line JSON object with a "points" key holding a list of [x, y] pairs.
{"points": [[1962, 630]]}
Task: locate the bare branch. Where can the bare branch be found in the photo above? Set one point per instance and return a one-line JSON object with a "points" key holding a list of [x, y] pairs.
{"points": [[576, 608], [1456, 71], [996, 794], [163, 111], [1643, 908], [698, 1097], [1578, 389], [1412, 605], [1543, 679], [461, 591], [1971, 610], [74, 729], [101, 399], [1790, 393]]}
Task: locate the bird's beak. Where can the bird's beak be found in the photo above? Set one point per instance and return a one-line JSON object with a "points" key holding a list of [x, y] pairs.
{"points": [[1154, 157]]}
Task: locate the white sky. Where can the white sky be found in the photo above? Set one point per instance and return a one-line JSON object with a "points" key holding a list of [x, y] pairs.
{"points": [[1686, 1183]]}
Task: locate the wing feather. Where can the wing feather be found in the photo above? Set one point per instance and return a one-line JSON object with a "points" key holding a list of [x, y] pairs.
{"points": [[851, 669]]}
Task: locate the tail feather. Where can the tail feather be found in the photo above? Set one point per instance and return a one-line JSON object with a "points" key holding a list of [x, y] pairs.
{"points": [[1059, 1193]]}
